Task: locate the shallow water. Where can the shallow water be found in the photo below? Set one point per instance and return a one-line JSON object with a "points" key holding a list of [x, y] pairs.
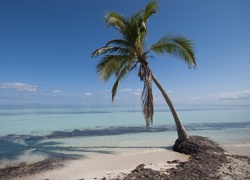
{"points": [[36, 132]]}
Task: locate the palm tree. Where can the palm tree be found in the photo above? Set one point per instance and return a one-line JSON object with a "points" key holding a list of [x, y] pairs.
{"points": [[123, 55]]}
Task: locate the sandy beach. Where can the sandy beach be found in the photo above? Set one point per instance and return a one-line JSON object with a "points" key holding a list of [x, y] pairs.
{"points": [[156, 162], [111, 166]]}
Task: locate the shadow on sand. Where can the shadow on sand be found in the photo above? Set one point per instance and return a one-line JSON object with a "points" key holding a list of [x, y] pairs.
{"points": [[13, 146]]}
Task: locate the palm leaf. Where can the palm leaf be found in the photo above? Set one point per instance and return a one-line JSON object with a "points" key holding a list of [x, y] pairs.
{"points": [[109, 65], [122, 74], [124, 24], [115, 87], [150, 9], [177, 46], [125, 45], [110, 50], [143, 15], [119, 42], [101, 50], [115, 19]]}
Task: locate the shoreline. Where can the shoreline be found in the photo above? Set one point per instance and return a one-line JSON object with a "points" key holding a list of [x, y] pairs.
{"points": [[161, 161]]}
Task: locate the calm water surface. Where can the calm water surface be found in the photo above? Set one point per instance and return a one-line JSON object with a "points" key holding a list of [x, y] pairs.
{"points": [[36, 132]]}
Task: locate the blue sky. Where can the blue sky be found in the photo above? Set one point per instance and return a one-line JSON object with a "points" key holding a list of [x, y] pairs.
{"points": [[46, 46]]}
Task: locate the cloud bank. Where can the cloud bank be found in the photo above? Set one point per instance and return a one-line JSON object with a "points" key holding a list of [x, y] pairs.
{"points": [[230, 95], [239, 96], [21, 87]]}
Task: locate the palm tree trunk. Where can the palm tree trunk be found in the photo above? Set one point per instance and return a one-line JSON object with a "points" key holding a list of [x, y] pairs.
{"points": [[181, 131]]}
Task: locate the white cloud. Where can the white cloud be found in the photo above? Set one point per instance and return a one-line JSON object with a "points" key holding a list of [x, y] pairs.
{"points": [[230, 95], [57, 91], [126, 90], [138, 92], [239, 96], [88, 94], [21, 87]]}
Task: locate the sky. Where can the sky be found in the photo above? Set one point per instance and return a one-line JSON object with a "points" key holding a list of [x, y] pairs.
{"points": [[46, 46]]}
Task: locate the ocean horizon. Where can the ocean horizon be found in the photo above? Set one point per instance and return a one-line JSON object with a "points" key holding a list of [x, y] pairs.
{"points": [[36, 132]]}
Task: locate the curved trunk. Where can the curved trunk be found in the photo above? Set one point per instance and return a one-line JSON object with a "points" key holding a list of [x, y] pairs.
{"points": [[181, 131]]}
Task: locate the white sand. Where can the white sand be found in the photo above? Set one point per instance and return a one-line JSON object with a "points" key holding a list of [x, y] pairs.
{"points": [[99, 166], [240, 149]]}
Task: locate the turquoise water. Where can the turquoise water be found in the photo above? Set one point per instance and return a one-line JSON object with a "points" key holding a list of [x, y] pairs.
{"points": [[36, 132]]}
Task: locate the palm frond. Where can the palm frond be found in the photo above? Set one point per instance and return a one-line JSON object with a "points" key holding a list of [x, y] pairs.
{"points": [[122, 74], [109, 65], [178, 46], [132, 31], [150, 9], [101, 50], [115, 87], [143, 15], [119, 42], [110, 50], [147, 95], [125, 25], [115, 19], [124, 44]]}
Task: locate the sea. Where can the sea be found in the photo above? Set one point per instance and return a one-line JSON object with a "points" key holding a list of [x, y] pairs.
{"points": [[36, 132]]}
